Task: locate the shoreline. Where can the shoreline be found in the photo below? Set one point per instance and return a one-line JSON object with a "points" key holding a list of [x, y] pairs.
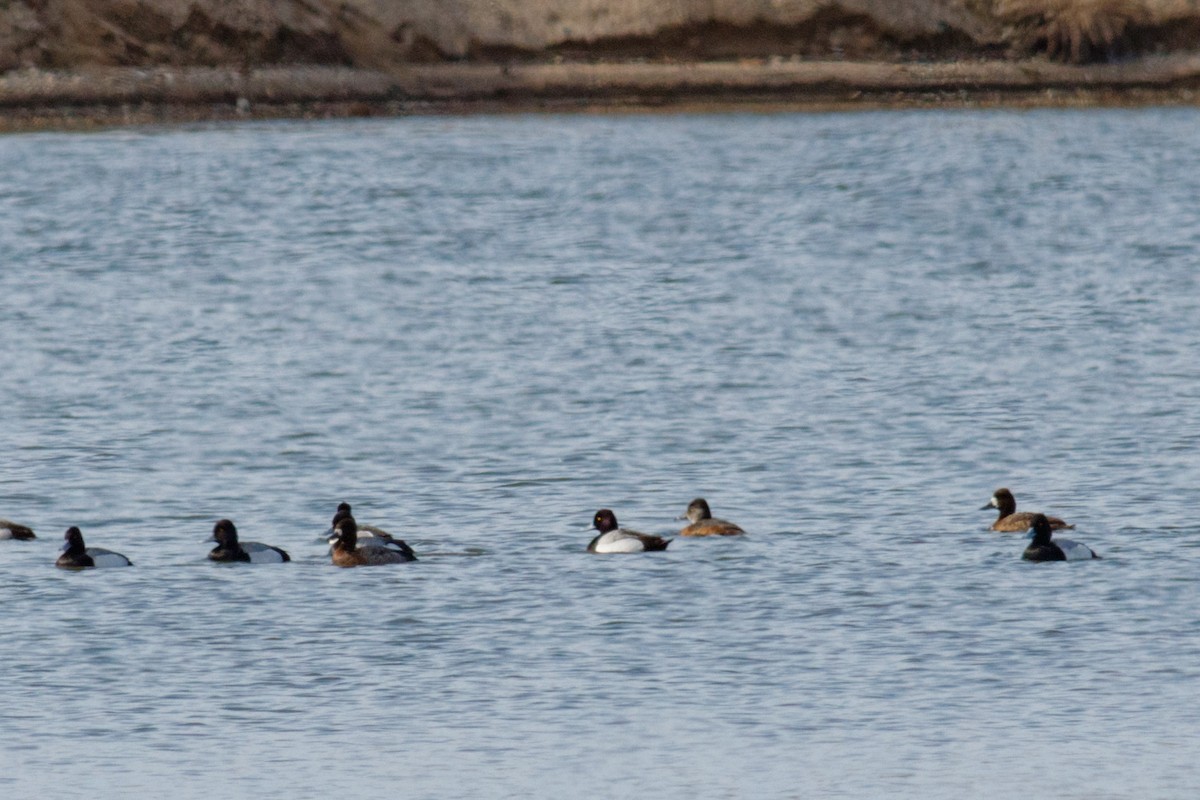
{"points": [[113, 97]]}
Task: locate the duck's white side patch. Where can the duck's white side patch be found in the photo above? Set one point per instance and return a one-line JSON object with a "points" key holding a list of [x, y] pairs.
{"points": [[373, 541], [366, 538], [262, 553], [107, 558], [1074, 551], [370, 531], [619, 542]]}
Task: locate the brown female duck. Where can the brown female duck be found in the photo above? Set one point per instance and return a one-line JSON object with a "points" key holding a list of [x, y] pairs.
{"points": [[1012, 521]]}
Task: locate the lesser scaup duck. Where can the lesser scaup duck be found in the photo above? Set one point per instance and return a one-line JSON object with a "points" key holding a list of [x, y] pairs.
{"points": [[369, 535], [347, 553], [615, 539], [76, 555], [229, 549], [11, 530], [1010, 521], [703, 522], [1043, 549]]}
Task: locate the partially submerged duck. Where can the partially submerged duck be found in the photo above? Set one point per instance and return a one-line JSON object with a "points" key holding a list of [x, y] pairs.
{"points": [[11, 530], [229, 549], [615, 539], [1043, 548], [1010, 521], [77, 555], [704, 524], [347, 553]]}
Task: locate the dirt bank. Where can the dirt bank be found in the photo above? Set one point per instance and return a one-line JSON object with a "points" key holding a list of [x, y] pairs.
{"points": [[107, 96], [375, 34], [80, 62]]}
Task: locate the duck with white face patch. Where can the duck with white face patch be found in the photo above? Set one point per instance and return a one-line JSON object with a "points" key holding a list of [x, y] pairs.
{"points": [[347, 553], [368, 535], [1010, 521]]}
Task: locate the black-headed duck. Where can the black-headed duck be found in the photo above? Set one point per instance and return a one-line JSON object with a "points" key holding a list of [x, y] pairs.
{"points": [[77, 555], [346, 552], [229, 549], [615, 539], [704, 524], [369, 535], [1010, 521], [1043, 548]]}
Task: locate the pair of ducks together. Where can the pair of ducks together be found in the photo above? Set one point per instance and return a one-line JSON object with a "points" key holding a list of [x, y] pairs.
{"points": [[348, 550], [77, 555], [351, 545], [615, 539], [1043, 546]]}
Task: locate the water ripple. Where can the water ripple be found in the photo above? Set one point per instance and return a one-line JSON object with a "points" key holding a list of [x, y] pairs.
{"points": [[479, 331]]}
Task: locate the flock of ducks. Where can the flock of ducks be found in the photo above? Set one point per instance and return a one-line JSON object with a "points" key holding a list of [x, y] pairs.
{"points": [[354, 545]]}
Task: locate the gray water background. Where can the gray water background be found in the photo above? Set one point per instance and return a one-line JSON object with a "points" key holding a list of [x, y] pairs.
{"points": [[844, 330]]}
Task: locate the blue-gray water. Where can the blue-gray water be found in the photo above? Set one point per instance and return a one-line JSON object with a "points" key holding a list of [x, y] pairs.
{"points": [[844, 330]]}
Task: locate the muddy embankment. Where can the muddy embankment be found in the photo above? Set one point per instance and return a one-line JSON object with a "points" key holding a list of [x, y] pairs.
{"points": [[84, 61]]}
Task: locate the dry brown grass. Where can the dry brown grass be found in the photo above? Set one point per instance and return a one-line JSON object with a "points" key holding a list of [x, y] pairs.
{"points": [[382, 34], [1080, 31]]}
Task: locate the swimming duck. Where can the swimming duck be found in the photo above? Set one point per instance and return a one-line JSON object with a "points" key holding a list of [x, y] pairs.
{"points": [[615, 539], [369, 535], [1010, 521], [1043, 549], [703, 523], [347, 553], [76, 555], [11, 530], [229, 549]]}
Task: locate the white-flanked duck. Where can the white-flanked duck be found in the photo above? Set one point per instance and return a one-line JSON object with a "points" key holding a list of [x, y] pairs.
{"points": [[368, 535], [77, 555], [615, 539], [346, 552], [1043, 548], [229, 549]]}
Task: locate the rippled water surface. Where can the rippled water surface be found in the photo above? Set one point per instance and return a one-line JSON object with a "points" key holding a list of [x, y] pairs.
{"points": [[845, 331]]}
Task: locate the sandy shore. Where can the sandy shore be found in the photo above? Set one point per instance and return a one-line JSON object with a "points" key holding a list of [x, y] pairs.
{"points": [[34, 99]]}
